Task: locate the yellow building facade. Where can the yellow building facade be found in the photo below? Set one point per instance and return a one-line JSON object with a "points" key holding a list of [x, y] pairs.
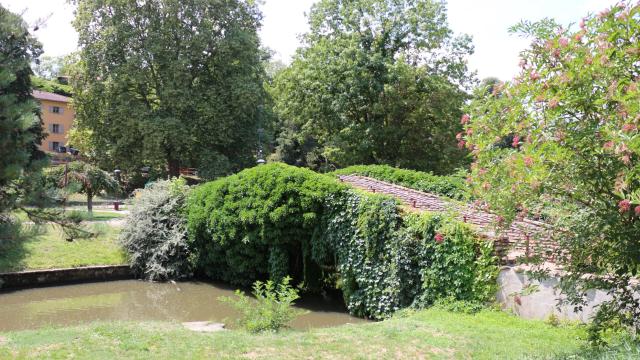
{"points": [[57, 117]]}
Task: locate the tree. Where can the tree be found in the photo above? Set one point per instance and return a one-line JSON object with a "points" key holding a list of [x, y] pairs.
{"points": [[169, 83], [377, 81], [20, 125], [572, 117], [83, 178]]}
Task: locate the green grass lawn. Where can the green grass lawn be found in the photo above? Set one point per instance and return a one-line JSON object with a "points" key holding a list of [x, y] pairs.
{"points": [[430, 333], [94, 216], [44, 247]]}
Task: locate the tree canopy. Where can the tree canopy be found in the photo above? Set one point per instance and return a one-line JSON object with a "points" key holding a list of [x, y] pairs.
{"points": [[20, 125], [377, 81], [169, 83], [561, 142]]}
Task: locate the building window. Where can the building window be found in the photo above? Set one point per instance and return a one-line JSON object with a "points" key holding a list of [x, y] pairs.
{"points": [[55, 128], [54, 145], [55, 109]]}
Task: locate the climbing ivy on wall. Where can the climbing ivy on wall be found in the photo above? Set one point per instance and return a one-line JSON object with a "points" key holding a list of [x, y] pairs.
{"points": [[277, 220]]}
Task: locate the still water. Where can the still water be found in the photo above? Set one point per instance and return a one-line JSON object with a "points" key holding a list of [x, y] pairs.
{"points": [[133, 300]]}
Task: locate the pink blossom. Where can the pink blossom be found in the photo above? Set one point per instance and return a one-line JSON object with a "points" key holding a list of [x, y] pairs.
{"points": [[603, 13], [563, 41], [459, 136], [588, 60], [469, 131], [486, 186], [578, 36], [439, 238], [482, 171], [608, 145], [534, 75], [582, 24], [624, 206], [465, 119], [637, 210], [516, 141], [461, 144], [553, 103], [626, 159], [528, 161], [629, 127]]}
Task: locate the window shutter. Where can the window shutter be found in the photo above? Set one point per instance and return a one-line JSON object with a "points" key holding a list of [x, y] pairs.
{"points": [[61, 110], [50, 145], [61, 128], [50, 128], [50, 109]]}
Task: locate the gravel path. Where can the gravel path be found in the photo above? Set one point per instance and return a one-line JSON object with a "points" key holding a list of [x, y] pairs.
{"points": [[521, 238]]}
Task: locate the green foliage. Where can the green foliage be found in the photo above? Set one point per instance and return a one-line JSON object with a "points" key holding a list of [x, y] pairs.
{"points": [[377, 81], [245, 226], [155, 235], [564, 134], [452, 186], [83, 178], [271, 310], [20, 125], [459, 306], [51, 86], [275, 219], [452, 262], [169, 84]]}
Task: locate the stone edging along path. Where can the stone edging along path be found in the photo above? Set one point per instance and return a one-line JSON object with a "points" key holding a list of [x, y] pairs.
{"points": [[31, 278], [522, 238]]}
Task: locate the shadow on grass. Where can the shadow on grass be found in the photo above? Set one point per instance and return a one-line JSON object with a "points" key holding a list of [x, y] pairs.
{"points": [[13, 238]]}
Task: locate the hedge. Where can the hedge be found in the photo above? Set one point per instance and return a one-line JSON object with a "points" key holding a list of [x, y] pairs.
{"points": [[451, 186]]}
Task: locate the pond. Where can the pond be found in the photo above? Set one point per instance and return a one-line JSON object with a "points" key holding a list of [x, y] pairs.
{"points": [[133, 300]]}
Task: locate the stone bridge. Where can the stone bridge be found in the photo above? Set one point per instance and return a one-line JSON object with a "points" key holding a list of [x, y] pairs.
{"points": [[522, 238]]}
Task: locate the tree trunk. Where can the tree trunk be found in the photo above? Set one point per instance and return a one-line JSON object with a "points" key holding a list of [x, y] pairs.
{"points": [[90, 203], [174, 167]]}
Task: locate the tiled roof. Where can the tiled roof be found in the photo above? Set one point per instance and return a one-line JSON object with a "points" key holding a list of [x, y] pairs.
{"points": [[43, 95]]}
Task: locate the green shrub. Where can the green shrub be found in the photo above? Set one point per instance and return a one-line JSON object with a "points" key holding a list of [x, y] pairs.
{"points": [[272, 308], [452, 261], [459, 306], [452, 186], [275, 219], [155, 235], [259, 223]]}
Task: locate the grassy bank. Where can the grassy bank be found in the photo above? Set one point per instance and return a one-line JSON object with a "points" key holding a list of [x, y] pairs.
{"points": [[426, 334], [44, 247], [84, 215]]}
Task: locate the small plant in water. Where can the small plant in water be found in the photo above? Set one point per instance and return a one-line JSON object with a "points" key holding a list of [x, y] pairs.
{"points": [[271, 310]]}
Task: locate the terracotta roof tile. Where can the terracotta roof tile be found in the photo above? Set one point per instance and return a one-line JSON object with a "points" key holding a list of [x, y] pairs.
{"points": [[43, 95]]}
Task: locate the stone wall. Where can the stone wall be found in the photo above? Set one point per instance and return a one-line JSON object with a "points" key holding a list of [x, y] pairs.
{"points": [[541, 303], [60, 276]]}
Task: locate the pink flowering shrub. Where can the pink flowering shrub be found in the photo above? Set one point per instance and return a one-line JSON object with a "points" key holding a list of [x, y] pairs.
{"points": [[573, 113]]}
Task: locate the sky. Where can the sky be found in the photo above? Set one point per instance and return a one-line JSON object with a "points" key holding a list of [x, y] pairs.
{"points": [[487, 21]]}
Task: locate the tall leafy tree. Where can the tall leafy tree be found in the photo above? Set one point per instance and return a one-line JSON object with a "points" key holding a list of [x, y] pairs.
{"points": [[562, 141], [169, 83], [20, 124], [377, 81]]}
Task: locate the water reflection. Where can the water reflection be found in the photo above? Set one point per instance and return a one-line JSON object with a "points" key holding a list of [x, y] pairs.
{"points": [[140, 301]]}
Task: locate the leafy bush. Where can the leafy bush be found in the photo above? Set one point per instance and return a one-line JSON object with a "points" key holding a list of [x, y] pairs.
{"points": [[272, 308], [459, 306], [276, 219], [572, 115], [259, 223], [452, 186], [155, 235]]}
